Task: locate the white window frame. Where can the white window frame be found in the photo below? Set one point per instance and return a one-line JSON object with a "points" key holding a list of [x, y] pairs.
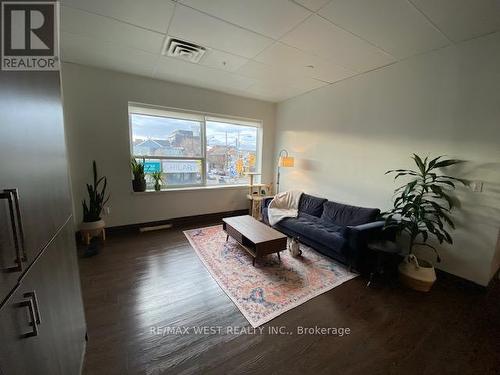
{"points": [[203, 117]]}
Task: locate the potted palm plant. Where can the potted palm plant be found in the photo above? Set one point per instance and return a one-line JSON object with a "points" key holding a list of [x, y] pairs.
{"points": [[139, 181], [422, 210], [158, 179], [93, 224]]}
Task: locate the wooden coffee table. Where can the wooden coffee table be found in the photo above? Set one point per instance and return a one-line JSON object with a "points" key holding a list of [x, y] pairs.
{"points": [[255, 237]]}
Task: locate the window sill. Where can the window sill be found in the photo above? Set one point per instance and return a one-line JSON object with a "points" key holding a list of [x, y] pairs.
{"points": [[191, 188]]}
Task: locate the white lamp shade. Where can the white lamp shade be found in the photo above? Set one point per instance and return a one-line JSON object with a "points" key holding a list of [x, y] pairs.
{"points": [[286, 161]]}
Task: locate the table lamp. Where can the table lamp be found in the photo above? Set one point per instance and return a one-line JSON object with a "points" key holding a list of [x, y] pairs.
{"points": [[285, 161]]}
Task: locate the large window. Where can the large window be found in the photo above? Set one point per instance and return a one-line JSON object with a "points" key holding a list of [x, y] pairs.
{"points": [[193, 149]]}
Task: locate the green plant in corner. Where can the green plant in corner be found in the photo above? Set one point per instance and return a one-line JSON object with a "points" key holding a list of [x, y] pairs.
{"points": [[422, 206], [158, 179], [97, 197]]}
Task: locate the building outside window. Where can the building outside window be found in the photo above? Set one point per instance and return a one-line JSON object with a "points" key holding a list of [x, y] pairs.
{"points": [[193, 149]]}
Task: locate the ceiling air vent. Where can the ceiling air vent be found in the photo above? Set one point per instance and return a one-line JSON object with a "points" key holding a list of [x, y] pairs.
{"points": [[183, 50]]}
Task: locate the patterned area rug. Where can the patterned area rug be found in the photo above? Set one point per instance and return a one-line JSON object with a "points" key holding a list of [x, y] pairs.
{"points": [[270, 288]]}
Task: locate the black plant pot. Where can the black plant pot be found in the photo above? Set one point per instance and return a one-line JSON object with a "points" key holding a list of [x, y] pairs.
{"points": [[139, 184]]}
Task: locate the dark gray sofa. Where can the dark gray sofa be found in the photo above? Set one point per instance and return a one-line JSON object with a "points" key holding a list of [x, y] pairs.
{"points": [[337, 230]]}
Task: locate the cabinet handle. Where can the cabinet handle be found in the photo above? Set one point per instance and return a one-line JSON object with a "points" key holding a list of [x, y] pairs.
{"points": [[32, 297], [15, 194], [6, 194], [31, 310]]}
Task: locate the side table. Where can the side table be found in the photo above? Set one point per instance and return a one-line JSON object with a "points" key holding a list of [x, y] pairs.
{"points": [[385, 255]]}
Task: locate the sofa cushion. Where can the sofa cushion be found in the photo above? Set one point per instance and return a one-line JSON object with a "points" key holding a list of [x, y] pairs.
{"points": [[311, 205], [343, 214], [325, 233]]}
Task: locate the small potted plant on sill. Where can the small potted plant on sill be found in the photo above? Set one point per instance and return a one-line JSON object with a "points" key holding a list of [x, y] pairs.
{"points": [[139, 181], [158, 179], [421, 210], [93, 225]]}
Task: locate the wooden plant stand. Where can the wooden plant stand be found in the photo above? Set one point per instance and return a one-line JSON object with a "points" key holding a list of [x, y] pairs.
{"points": [[88, 234]]}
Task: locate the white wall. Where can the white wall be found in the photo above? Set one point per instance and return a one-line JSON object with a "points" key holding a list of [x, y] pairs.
{"points": [[345, 136], [96, 120]]}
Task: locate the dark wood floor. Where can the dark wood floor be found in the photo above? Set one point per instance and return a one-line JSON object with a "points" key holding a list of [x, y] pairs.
{"points": [[142, 281]]}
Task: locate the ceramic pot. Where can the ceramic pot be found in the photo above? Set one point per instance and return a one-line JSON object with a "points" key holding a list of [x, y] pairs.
{"points": [[416, 273], [139, 185]]}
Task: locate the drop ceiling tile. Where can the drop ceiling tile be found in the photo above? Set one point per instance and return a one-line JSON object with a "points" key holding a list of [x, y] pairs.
{"points": [[313, 5], [131, 60], [171, 69], [394, 25], [208, 31], [271, 18], [462, 19], [319, 36], [277, 76], [222, 60], [108, 30], [294, 60], [273, 92], [87, 51], [154, 16], [82, 50]]}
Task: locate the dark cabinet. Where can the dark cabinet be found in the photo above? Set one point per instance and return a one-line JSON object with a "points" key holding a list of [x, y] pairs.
{"points": [[33, 157], [42, 327]]}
